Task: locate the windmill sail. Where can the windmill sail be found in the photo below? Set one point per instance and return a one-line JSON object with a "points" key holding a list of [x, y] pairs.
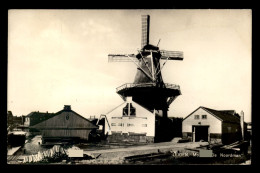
{"points": [[171, 55], [122, 58], [145, 30]]}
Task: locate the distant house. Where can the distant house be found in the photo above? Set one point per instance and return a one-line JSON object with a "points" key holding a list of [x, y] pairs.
{"points": [[212, 125], [65, 124], [18, 120], [36, 117], [130, 122], [9, 118], [13, 121]]}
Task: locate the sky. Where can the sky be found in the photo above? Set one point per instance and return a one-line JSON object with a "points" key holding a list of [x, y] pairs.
{"points": [[60, 57]]}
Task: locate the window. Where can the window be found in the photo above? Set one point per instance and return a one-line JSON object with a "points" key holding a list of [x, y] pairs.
{"points": [[125, 110], [196, 117], [130, 125], [116, 117], [132, 110], [129, 110], [204, 116], [120, 124], [113, 124], [144, 125], [116, 132]]}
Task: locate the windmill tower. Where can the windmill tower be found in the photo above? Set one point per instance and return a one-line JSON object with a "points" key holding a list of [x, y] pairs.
{"points": [[148, 88]]}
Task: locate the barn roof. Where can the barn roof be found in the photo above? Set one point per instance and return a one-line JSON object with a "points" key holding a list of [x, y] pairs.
{"points": [[38, 114], [129, 102], [58, 113], [226, 116], [223, 115], [39, 117], [67, 108]]}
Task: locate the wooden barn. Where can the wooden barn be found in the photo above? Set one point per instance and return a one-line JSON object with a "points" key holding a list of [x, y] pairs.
{"points": [[221, 126], [65, 125]]}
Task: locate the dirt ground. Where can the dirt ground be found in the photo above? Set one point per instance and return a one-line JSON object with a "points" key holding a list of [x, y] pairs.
{"points": [[117, 155]]}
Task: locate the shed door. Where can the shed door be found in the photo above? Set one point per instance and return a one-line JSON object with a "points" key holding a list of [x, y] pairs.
{"points": [[201, 133]]}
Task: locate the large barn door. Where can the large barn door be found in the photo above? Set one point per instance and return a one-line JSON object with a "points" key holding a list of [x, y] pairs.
{"points": [[201, 133]]}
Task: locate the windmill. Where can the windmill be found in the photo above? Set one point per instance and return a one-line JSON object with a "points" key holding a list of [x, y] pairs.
{"points": [[148, 88]]}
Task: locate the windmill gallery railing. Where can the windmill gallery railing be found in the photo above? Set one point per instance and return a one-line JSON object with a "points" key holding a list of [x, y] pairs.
{"points": [[132, 85]]}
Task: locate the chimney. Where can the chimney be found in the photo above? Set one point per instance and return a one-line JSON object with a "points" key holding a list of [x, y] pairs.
{"points": [[242, 123], [67, 107], [129, 99]]}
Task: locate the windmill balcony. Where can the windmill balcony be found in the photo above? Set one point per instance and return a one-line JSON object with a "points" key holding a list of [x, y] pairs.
{"points": [[133, 85]]}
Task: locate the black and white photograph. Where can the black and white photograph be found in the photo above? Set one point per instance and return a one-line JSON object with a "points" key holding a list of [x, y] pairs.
{"points": [[129, 87]]}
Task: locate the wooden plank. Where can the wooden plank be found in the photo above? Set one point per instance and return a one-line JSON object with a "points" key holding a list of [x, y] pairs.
{"points": [[147, 156]]}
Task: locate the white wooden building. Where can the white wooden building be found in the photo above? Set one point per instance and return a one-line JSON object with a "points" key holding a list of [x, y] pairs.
{"points": [[212, 125], [130, 122]]}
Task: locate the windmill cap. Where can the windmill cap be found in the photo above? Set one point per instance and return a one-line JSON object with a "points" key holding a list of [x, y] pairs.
{"points": [[150, 47]]}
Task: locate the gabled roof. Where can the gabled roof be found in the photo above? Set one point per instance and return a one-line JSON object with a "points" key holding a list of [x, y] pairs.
{"points": [[129, 102], [38, 114], [75, 113], [115, 108], [58, 113], [223, 115], [228, 111]]}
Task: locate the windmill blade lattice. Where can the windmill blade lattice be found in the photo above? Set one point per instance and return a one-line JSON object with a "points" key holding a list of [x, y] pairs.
{"points": [[145, 30], [122, 58], [171, 55]]}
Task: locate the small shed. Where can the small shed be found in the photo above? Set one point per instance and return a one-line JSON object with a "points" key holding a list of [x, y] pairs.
{"points": [[211, 125], [65, 124]]}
